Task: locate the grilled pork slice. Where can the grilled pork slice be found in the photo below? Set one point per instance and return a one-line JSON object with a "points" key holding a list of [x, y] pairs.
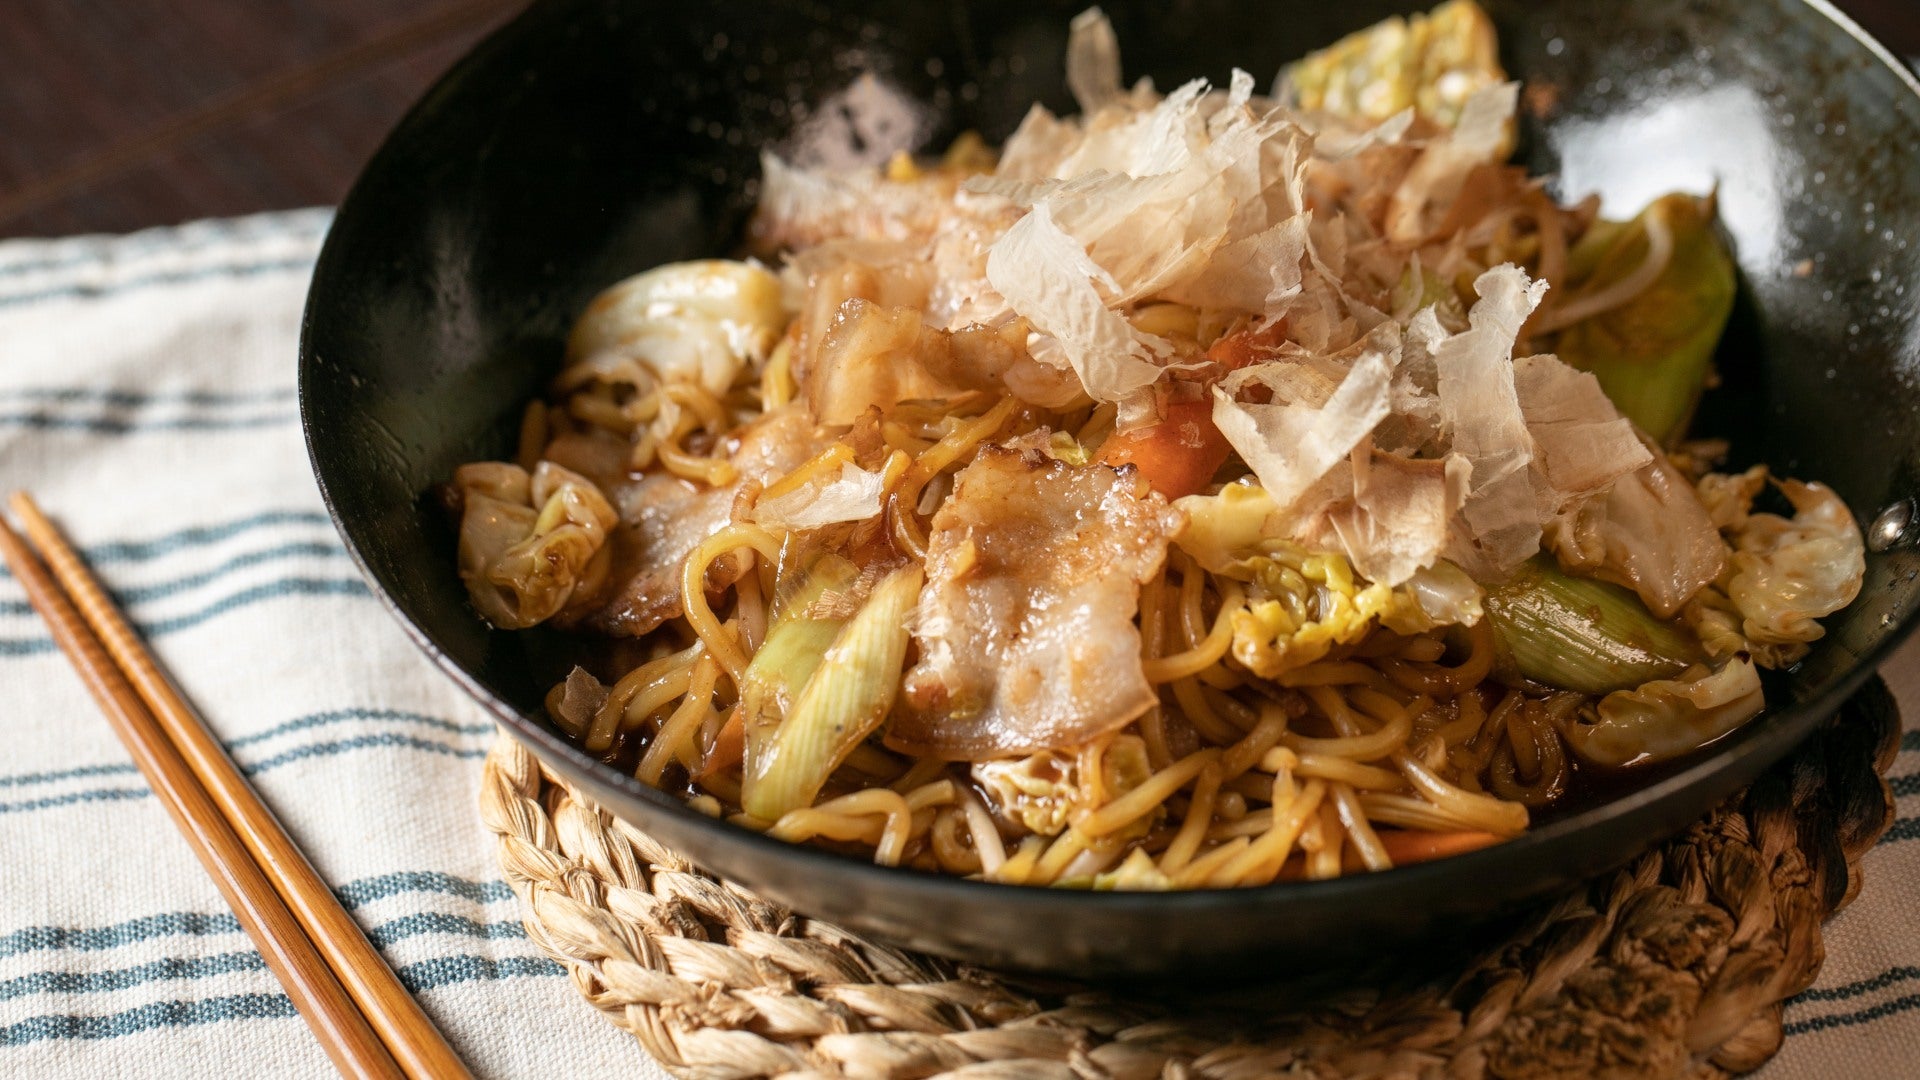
{"points": [[1026, 629], [663, 518]]}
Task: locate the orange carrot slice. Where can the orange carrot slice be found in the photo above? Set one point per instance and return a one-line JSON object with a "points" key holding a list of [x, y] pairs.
{"points": [[1236, 351], [1407, 846], [729, 747], [1178, 455]]}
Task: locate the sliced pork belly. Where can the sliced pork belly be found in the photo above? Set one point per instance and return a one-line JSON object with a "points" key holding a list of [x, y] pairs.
{"points": [[663, 518], [1026, 630]]}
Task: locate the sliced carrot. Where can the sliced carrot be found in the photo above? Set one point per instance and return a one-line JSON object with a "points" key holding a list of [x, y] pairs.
{"points": [[729, 747], [1236, 351], [1407, 846], [1177, 455]]}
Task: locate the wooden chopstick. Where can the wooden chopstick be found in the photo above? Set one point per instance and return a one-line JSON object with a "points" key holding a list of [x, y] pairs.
{"points": [[348, 1039], [411, 1038]]}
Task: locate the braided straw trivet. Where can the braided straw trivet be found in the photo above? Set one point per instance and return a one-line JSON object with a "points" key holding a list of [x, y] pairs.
{"points": [[1677, 965]]}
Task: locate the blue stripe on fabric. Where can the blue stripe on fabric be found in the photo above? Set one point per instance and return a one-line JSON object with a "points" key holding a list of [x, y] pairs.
{"points": [[338, 716], [133, 399], [425, 975], [23, 779], [265, 591], [182, 968], [1905, 828], [197, 536], [72, 798], [355, 894], [448, 970], [192, 536], [1904, 785], [145, 593], [98, 938], [1910, 740], [301, 723], [159, 1014], [180, 240], [40, 420], [1863, 1016], [361, 742], [172, 968], [140, 594], [331, 748], [439, 922], [147, 281], [1857, 987]]}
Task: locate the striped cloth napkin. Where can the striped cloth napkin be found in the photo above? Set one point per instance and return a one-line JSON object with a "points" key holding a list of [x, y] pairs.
{"points": [[147, 398]]}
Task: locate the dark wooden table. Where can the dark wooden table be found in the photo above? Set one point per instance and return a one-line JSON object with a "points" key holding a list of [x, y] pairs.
{"points": [[118, 114]]}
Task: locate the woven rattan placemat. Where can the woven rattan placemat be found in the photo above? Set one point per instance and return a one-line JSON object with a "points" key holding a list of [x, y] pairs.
{"points": [[1677, 965]]}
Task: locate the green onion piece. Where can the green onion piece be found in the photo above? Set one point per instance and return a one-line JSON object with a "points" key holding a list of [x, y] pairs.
{"points": [[1653, 354], [845, 698], [1584, 257], [796, 645], [1581, 634]]}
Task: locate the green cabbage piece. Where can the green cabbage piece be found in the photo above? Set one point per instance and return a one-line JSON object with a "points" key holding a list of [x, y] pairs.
{"points": [[1303, 603]]}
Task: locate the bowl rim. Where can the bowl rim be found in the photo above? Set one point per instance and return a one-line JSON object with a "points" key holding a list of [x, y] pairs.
{"points": [[1783, 728]]}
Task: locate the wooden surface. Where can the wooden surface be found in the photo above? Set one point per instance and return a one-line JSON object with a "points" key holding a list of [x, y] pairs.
{"points": [[119, 114]]}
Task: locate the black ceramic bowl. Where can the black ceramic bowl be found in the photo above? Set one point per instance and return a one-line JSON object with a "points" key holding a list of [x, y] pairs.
{"points": [[591, 139]]}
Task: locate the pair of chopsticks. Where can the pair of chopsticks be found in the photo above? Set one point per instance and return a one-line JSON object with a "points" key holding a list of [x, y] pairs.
{"points": [[368, 1023]]}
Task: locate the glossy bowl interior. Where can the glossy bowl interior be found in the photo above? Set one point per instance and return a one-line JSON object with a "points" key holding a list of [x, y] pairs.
{"points": [[591, 139]]}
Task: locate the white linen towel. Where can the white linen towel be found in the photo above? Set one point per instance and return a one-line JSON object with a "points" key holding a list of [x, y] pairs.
{"points": [[147, 399]]}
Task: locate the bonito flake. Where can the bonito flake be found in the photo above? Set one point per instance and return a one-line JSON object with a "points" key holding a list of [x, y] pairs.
{"points": [[1483, 134], [1387, 420], [1291, 444], [1417, 445], [1043, 271], [1480, 414], [1195, 197]]}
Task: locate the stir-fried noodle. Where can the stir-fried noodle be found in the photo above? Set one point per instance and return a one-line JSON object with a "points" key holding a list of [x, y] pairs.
{"points": [[995, 537]]}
